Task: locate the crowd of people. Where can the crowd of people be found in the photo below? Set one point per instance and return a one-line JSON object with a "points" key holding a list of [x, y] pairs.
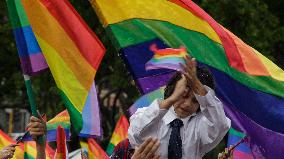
{"points": [[186, 124]]}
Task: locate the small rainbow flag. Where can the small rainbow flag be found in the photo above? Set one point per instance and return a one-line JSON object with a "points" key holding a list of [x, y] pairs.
{"points": [[61, 150], [243, 150], [62, 119], [168, 58], [30, 151], [5, 140], [95, 151], [120, 133], [147, 99], [31, 57], [73, 53]]}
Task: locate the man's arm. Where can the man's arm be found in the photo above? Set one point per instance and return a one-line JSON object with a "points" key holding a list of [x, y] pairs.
{"points": [[213, 124], [37, 128]]}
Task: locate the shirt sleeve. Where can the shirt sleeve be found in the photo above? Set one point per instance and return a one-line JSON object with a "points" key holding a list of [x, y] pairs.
{"points": [[145, 123], [213, 124]]}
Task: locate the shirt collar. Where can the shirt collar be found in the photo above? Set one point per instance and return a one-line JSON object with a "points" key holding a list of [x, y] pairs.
{"points": [[171, 115]]}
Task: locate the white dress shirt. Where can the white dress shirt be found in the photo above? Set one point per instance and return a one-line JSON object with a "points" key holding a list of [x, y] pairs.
{"points": [[201, 132]]}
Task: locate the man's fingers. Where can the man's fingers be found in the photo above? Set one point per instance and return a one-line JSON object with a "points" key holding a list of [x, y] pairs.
{"points": [[153, 149], [144, 144], [148, 147]]}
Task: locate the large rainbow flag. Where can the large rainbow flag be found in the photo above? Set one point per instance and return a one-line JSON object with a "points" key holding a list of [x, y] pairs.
{"points": [[31, 57], [6, 140], [250, 85], [120, 133], [242, 151], [73, 53], [95, 151]]}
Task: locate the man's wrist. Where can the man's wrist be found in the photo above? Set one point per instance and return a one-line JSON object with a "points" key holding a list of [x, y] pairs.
{"points": [[199, 89]]}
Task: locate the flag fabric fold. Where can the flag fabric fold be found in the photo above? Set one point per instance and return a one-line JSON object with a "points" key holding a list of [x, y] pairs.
{"points": [[61, 148], [31, 57], [120, 133], [245, 80], [73, 53], [95, 151]]}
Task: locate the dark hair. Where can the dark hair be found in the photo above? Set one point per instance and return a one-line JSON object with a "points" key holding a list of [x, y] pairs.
{"points": [[203, 74]]}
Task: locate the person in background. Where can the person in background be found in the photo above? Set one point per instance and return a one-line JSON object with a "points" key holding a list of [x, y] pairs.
{"points": [[189, 122]]}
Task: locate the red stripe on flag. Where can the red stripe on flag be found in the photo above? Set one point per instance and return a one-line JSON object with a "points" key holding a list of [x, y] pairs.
{"points": [[90, 46], [231, 50]]}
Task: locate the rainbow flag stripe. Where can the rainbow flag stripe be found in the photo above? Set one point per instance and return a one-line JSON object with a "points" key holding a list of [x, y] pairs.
{"points": [[168, 58], [245, 80], [31, 57], [30, 150], [73, 53], [5, 140], [120, 133], [95, 151], [243, 150], [61, 151]]}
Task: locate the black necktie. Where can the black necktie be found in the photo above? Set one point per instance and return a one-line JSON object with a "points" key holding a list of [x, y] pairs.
{"points": [[175, 143]]}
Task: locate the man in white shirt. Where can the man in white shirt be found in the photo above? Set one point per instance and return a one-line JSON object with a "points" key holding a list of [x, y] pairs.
{"points": [[189, 122]]}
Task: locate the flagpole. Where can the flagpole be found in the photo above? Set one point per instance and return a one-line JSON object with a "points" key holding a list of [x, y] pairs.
{"points": [[32, 101]]}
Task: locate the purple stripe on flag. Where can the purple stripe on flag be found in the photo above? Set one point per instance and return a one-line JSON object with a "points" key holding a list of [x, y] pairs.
{"points": [[50, 136], [151, 83], [172, 66], [91, 116], [33, 64], [264, 143]]}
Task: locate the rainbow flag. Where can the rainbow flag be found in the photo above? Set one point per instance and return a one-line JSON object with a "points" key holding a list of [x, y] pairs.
{"points": [[31, 57], [250, 85], [95, 151], [61, 150], [73, 53], [168, 58], [5, 140], [243, 150], [120, 133], [62, 119], [147, 99]]}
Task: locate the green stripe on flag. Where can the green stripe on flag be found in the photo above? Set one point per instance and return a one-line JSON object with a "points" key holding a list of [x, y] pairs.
{"points": [[110, 149], [236, 133], [17, 14], [75, 116]]}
